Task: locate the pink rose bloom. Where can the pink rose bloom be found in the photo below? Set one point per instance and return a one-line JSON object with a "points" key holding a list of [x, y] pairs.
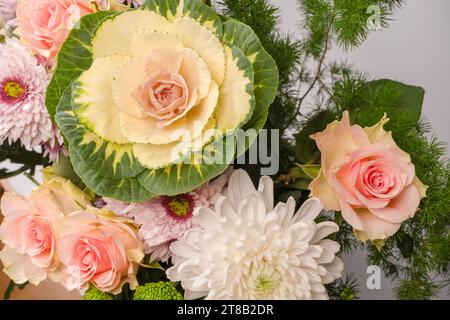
{"points": [[45, 24], [28, 229], [366, 176], [96, 247], [165, 219]]}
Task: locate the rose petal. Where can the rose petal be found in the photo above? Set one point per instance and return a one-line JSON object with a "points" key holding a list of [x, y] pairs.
{"points": [[338, 140], [368, 226], [401, 207], [321, 189]]}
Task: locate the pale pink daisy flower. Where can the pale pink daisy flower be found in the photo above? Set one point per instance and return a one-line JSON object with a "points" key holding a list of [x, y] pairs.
{"points": [[54, 147], [23, 82], [165, 219]]}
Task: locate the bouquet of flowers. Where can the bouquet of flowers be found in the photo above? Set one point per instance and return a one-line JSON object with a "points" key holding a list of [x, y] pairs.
{"points": [[153, 121]]}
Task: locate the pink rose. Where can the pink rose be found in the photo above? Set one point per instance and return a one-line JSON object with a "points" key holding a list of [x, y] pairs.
{"points": [[45, 24], [366, 176], [97, 247], [28, 229]]}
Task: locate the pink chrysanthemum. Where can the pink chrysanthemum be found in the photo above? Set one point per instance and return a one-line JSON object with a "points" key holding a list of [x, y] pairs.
{"points": [[165, 219], [54, 147], [23, 82]]}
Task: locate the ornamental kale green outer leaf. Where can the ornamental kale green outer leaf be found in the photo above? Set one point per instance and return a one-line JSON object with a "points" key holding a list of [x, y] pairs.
{"points": [[74, 58]]}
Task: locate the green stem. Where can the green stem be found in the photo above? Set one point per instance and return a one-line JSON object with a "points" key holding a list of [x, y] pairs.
{"points": [[316, 77], [11, 174], [31, 178], [9, 290]]}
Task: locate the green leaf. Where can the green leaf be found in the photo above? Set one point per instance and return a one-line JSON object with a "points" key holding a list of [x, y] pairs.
{"points": [[409, 98], [402, 103], [300, 184], [311, 170], [74, 58], [63, 168], [306, 150]]}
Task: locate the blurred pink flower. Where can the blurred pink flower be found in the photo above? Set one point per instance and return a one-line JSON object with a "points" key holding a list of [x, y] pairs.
{"points": [[8, 10], [44, 24]]}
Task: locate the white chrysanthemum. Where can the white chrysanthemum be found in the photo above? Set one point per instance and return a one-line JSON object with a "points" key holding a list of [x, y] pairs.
{"points": [[247, 249], [23, 82]]}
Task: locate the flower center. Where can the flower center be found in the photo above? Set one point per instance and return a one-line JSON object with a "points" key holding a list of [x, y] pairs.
{"points": [[180, 207], [13, 89], [166, 93], [265, 285], [378, 179]]}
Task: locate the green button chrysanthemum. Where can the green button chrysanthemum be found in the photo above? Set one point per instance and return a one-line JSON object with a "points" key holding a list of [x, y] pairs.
{"points": [[95, 294], [146, 96], [157, 291]]}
